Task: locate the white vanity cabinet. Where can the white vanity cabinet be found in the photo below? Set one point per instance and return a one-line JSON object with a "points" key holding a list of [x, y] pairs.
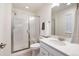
{"points": [[43, 52], [46, 50]]}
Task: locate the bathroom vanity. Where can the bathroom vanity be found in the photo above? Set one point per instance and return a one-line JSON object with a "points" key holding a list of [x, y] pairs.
{"points": [[52, 47], [46, 50]]}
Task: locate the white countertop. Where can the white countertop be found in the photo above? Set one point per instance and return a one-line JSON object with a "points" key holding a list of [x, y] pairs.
{"points": [[69, 48]]}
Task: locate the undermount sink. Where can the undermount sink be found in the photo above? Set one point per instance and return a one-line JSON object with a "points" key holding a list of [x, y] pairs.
{"points": [[57, 42]]}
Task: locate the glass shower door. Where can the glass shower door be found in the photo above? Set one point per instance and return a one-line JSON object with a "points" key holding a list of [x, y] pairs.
{"points": [[20, 39]]}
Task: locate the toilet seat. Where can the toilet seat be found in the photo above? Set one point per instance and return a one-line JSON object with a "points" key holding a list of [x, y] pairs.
{"points": [[35, 45]]}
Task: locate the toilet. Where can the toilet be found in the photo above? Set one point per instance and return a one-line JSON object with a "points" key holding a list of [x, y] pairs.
{"points": [[35, 49]]}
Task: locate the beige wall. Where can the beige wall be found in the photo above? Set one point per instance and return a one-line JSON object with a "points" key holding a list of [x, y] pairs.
{"points": [[5, 28], [60, 20], [45, 16]]}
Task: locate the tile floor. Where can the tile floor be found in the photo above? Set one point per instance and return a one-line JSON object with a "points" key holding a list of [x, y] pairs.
{"points": [[28, 52]]}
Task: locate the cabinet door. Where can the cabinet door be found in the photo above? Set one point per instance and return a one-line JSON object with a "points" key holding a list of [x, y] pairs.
{"points": [[51, 54], [52, 51], [43, 52]]}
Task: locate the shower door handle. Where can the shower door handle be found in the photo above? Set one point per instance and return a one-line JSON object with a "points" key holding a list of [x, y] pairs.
{"points": [[27, 31], [28, 35]]}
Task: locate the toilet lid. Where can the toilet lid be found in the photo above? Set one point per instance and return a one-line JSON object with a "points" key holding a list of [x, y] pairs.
{"points": [[35, 45]]}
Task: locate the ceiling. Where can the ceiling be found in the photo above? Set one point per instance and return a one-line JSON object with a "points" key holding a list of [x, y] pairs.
{"points": [[34, 7]]}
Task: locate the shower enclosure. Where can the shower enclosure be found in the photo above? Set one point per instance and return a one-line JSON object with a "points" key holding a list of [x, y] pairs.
{"points": [[25, 31]]}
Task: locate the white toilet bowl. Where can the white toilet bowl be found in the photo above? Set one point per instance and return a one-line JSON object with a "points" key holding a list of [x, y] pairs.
{"points": [[35, 49]]}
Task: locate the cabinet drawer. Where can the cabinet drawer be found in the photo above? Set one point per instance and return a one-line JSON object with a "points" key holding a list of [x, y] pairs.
{"points": [[43, 52]]}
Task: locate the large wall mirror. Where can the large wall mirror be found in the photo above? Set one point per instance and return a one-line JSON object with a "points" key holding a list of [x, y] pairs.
{"points": [[63, 17]]}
